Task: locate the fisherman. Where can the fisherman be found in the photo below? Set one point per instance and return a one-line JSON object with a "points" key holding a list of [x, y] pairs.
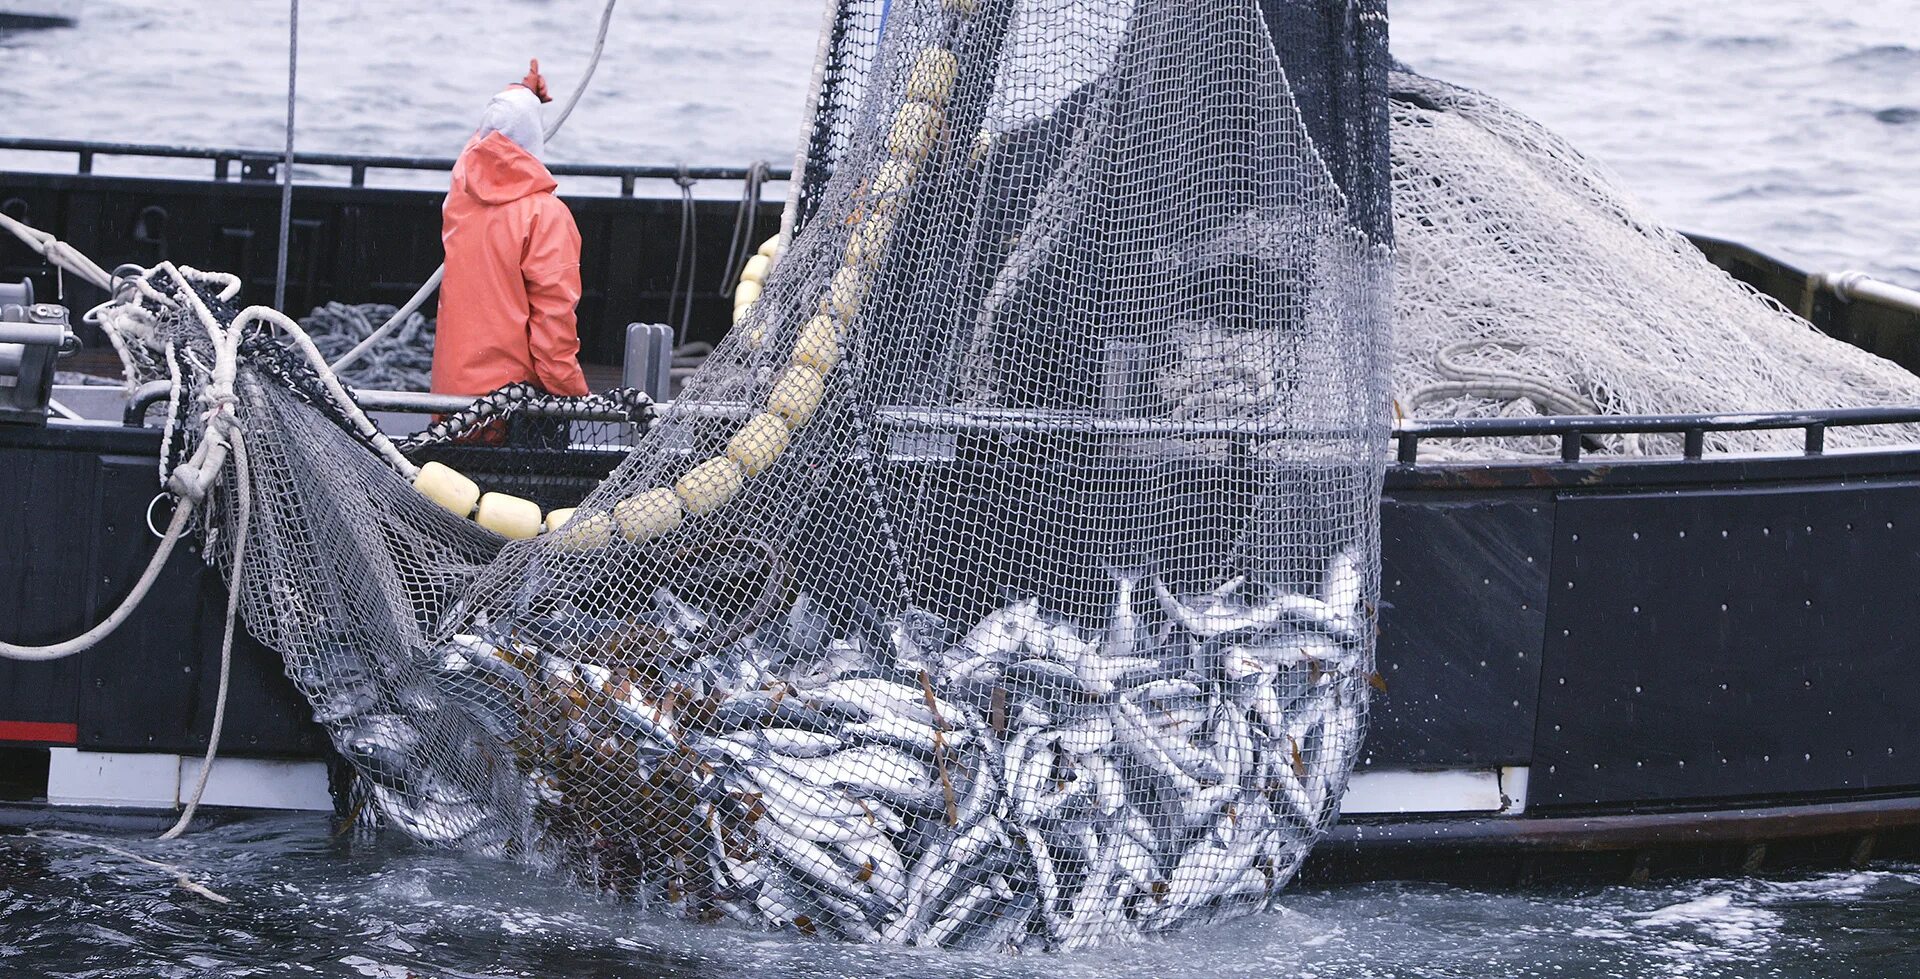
{"points": [[513, 259]]}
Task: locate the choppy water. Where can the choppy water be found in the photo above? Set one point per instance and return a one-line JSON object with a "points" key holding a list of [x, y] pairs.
{"points": [[1788, 124], [306, 905], [1791, 125]]}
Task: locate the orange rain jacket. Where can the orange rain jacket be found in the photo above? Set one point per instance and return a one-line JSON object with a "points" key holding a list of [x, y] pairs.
{"points": [[513, 276]]}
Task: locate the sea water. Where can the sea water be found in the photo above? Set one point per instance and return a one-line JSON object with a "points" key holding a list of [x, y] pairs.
{"points": [[1791, 126]]}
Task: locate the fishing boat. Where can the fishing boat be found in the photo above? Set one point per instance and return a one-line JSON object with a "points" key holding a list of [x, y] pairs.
{"points": [[39, 13], [1588, 664]]}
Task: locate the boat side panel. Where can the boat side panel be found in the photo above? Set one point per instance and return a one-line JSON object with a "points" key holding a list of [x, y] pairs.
{"points": [[1464, 597], [69, 552], [47, 592], [1731, 642]]}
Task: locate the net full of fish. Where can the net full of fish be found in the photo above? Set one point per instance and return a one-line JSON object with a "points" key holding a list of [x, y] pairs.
{"points": [[1005, 579], [1020, 781]]}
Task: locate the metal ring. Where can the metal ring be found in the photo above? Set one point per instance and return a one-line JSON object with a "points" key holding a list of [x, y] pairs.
{"points": [[157, 497]]}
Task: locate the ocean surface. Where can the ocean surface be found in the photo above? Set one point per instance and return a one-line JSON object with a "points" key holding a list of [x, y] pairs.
{"points": [[1790, 125], [302, 904]]}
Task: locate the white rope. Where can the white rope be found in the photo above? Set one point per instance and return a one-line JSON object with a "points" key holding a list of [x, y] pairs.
{"points": [[243, 494], [87, 640], [59, 253], [1493, 383], [181, 878], [433, 281], [789, 215], [399, 316]]}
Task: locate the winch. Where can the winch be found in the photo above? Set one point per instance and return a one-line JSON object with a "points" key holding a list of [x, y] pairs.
{"points": [[32, 337]]}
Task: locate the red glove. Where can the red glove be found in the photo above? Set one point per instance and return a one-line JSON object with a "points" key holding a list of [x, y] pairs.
{"points": [[535, 82]]}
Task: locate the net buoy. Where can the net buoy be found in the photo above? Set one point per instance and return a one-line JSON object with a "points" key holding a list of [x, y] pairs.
{"points": [[756, 269], [580, 533], [842, 301], [447, 488], [796, 395], [745, 293], [648, 515], [509, 516], [819, 345], [770, 247], [869, 241], [759, 443], [893, 177], [915, 127], [709, 485], [932, 77]]}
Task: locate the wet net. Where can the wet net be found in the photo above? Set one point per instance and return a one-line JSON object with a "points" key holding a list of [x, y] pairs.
{"points": [[1529, 283], [1004, 580]]}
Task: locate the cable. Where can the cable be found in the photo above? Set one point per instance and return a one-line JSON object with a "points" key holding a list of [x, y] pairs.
{"points": [[286, 165]]}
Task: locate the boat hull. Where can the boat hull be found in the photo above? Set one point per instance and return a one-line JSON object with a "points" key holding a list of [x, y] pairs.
{"points": [[1560, 673]]}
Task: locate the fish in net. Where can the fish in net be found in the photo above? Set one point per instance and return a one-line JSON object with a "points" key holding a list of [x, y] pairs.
{"points": [[1005, 579]]}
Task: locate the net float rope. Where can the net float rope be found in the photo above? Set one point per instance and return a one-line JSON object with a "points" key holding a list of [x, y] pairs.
{"points": [[796, 393]]}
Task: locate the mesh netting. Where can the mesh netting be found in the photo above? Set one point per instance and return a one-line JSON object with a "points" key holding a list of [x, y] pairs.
{"points": [[1528, 282], [1005, 579]]}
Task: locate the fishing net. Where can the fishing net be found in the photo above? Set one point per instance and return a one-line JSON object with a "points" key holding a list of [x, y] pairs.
{"points": [[1004, 580], [1529, 283]]}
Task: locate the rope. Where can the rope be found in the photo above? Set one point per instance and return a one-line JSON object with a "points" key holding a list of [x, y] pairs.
{"points": [[181, 879], [243, 495], [433, 281], [286, 166], [790, 214], [61, 254], [87, 640], [743, 221], [684, 259], [633, 402], [1465, 380]]}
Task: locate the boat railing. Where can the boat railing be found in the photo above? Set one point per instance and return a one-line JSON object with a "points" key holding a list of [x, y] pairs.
{"points": [[1407, 434], [1571, 430], [262, 165]]}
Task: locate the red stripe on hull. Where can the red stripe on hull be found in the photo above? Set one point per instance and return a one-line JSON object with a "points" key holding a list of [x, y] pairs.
{"points": [[45, 732]]}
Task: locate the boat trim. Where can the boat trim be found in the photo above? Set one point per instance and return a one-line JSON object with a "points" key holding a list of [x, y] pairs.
{"points": [[1636, 831]]}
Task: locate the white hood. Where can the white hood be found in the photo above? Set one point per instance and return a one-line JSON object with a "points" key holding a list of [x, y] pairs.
{"points": [[515, 113]]}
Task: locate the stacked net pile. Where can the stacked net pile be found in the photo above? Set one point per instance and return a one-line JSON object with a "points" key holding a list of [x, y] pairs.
{"points": [[1528, 282], [1005, 580]]}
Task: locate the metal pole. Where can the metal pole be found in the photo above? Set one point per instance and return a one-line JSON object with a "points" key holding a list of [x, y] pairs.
{"points": [[286, 164]]}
